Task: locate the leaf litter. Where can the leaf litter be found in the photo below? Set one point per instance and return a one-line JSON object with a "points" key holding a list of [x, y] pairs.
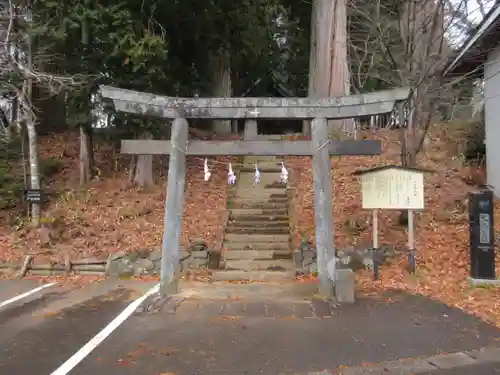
{"points": [[442, 236], [110, 214]]}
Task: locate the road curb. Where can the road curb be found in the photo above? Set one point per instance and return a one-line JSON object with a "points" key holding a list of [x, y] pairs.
{"points": [[418, 365]]}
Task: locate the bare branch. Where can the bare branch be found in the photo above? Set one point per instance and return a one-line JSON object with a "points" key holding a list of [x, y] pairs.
{"points": [[414, 45]]}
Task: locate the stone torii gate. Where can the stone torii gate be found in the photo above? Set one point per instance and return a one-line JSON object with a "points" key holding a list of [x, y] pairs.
{"points": [[251, 109]]}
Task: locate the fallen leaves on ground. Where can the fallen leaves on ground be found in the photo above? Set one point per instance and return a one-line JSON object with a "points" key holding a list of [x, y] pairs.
{"points": [[442, 235], [109, 214]]}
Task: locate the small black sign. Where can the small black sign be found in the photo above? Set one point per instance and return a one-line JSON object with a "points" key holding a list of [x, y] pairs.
{"points": [[482, 235], [33, 196]]}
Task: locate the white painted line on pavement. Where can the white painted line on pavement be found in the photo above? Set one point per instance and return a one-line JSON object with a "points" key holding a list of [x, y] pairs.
{"points": [[85, 350], [26, 294]]}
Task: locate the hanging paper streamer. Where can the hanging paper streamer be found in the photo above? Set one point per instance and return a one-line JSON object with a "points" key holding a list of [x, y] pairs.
{"points": [[207, 172], [283, 174], [256, 177], [231, 178]]}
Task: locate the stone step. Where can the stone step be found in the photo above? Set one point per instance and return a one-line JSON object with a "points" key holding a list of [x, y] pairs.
{"points": [[267, 181], [262, 199], [245, 192], [256, 255], [257, 238], [252, 159], [282, 206], [264, 187], [275, 185], [261, 246], [278, 211], [260, 218], [258, 224], [257, 230], [259, 265], [250, 201], [236, 275]]}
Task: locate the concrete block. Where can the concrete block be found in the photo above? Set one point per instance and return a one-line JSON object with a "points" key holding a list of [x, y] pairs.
{"points": [[485, 355], [199, 254], [232, 275], [483, 282], [194, 263], [408, 367], [298, 258], [449, 361], [345, 285]]}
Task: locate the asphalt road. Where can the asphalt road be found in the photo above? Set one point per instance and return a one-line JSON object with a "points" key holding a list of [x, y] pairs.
{"points": [[238, 337], [482, 369], [268, 337]]}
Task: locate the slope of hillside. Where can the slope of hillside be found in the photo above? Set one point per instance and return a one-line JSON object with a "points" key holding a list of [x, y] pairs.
{"points": [[442, 228], [109, 214]]}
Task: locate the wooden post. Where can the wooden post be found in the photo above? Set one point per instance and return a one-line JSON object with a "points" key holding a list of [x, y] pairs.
{"points": [[375, 245], [323, 214], [174, 206], [411, 241], [375, 229]]}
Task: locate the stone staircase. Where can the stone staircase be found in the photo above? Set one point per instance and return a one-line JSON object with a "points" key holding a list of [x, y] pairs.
{"points": [[257, 241]]}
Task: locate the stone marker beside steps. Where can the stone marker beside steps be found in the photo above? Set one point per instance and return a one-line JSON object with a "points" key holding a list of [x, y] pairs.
{"points": [[345, 285]]}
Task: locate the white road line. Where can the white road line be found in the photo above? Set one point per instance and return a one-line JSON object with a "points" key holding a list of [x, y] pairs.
{"points": [[26, 294], [85, 350]]}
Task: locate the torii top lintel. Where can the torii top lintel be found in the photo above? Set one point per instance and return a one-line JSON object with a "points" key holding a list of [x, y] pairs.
{"points": [[234, 108]]}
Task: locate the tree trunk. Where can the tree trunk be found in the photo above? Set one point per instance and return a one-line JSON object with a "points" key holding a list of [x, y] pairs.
{"points": [[144, 167], [85, 157], [311, 90], [86, 147], [32, 139], [34, 168], [221, 69], [332, 66]]}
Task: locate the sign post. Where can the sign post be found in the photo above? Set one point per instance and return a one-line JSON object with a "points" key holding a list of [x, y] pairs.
{"points": [[375, 246], [481, 236], [393, 187]]}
